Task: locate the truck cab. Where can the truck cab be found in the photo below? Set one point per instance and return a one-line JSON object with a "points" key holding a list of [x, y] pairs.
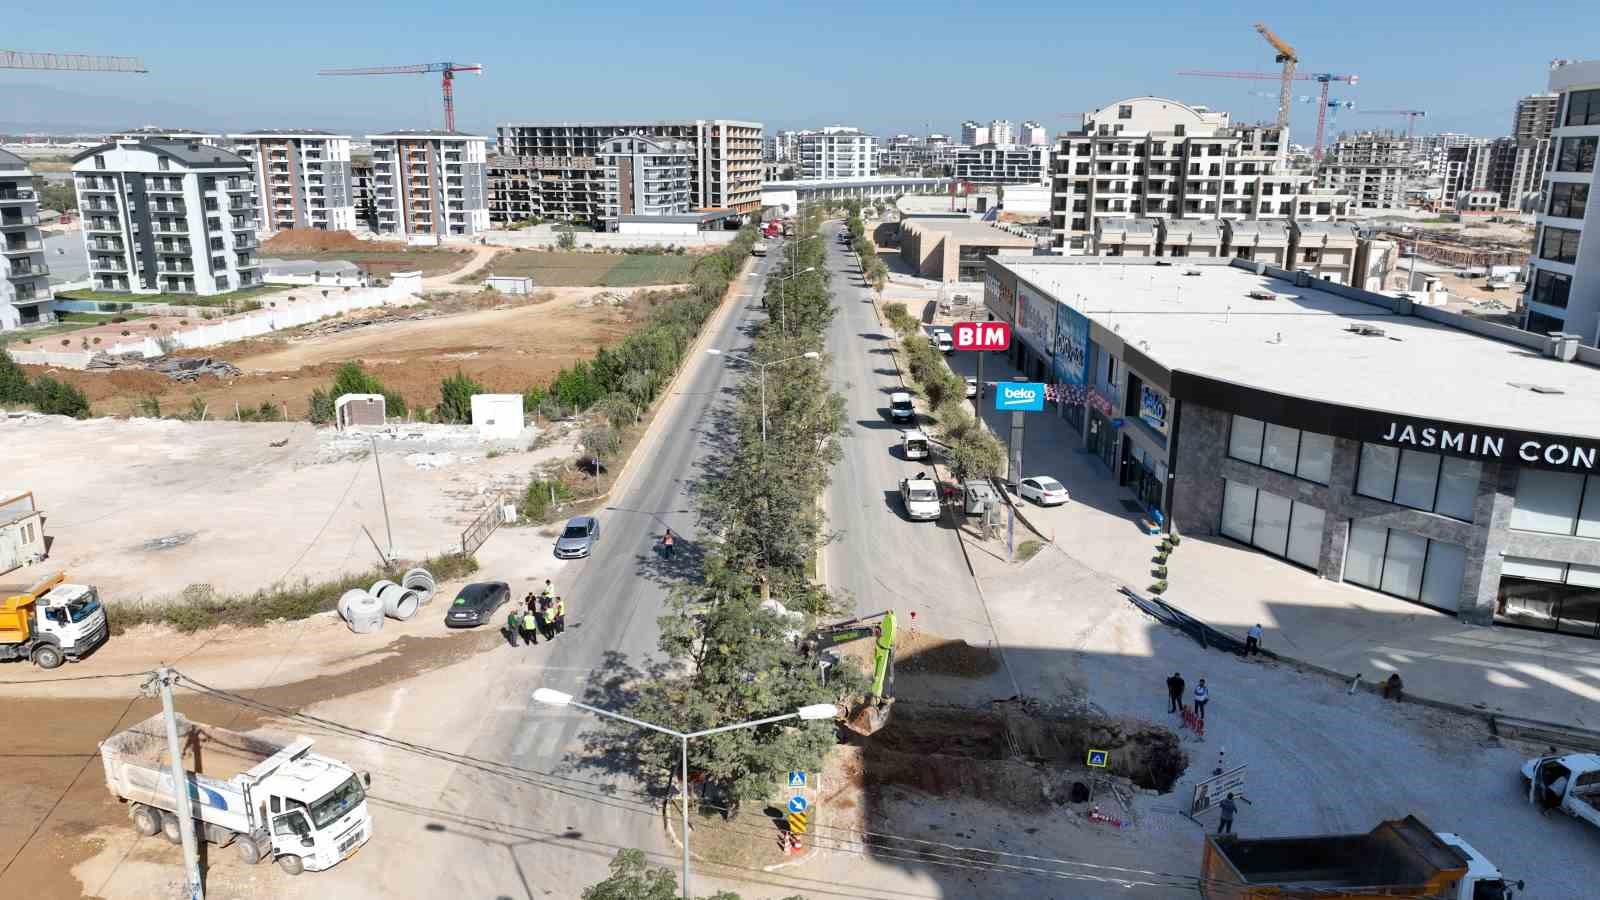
{"points": [[52, 621], [317, 810], [1569, 783]]}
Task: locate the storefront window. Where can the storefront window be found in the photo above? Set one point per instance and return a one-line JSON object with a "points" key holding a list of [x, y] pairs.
{"points": [[1316, 457], [1278, 525], [1378, 467], [1426, 481], [1548, 501], [1281, 448], [1304, 454], [1406, 565], [1244, 440], [1549, 596]]}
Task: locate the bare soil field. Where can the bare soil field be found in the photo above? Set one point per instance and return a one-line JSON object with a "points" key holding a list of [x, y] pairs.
{"points": [[377, 258], [507, 348]]}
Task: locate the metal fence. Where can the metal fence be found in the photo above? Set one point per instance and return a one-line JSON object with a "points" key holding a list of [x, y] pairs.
{"points": [[484, 525]]}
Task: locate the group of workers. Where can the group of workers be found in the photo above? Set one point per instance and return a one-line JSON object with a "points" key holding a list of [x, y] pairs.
{"points": [[544, 614]]}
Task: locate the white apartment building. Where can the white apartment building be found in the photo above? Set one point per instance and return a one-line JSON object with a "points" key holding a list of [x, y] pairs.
{"points": [[836, 152], [429, 182], [303, 178], [1151, 157], [973, 134], [1370, 166], [24, 275], [1034, 134], [1003, 164], [167, 217], [644, 177], [1000, 132], [1564, 282]]}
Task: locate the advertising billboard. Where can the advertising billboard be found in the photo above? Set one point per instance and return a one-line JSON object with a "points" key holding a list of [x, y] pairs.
{"points": [[1072, 346], [1153, 408], [1036, 318], [1019, 396]]}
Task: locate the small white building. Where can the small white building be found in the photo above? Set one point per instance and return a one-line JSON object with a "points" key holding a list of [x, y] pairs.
{"points": [[21, 532], [497, 415]]}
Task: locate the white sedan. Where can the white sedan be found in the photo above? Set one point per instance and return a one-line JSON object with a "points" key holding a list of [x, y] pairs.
{"points": [[1043, 490], [972, 388]]}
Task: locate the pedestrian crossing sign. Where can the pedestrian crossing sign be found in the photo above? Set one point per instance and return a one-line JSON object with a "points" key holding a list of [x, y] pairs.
{"points": [[797, 779], [797, 823], [1098, 759]]}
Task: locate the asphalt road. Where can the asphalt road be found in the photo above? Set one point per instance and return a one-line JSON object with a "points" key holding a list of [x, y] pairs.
{"points": [[614, 600], [880, 557]]}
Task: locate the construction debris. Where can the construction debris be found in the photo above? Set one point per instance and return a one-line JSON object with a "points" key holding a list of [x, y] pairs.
{"points": [[181, 368], [347, 324]]}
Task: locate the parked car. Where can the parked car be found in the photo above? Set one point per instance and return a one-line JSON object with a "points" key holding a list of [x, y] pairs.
{"points": [[972, 387], [900, 408], [577, 540], [947, 344], [913, 444], [920, 496], [476, 604], [1043, 490]]}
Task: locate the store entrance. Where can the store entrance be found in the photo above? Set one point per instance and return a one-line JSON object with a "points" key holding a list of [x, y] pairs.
{"points": [[1142, 475]]}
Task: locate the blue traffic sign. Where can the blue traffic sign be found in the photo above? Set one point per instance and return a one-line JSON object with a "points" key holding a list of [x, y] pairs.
{"points": [[797, 804], [797, 779], [1019, 396]]}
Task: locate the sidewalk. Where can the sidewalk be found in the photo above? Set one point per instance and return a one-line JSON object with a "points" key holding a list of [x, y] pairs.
{"points": [[1348, 629]]}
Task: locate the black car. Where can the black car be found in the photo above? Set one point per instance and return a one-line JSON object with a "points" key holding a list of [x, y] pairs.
{"points": [[476, 604]]}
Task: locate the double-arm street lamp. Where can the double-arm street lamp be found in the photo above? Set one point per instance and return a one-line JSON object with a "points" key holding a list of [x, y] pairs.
{"points": [[783, 296], [763, 367], [813, 712]]}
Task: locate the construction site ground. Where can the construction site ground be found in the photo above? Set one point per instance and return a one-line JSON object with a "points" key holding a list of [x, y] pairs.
{"points": [[558, 268], [376, 258], [508, 343]]}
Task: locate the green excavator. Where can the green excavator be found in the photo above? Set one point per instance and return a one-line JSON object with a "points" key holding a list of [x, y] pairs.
{"points": [[873, 712]]}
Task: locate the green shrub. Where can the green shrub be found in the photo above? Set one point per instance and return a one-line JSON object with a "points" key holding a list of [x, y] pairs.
{"points": [[150, 406], [566, 241], [541, 498], [58, 398], [13, 383], [455, 398]]}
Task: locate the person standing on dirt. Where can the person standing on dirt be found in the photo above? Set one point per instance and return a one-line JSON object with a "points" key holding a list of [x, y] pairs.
{"points": [[530, 625], [1228, 807], [560, 616], [513, 626], [547, 619], [1252, 640], [1202, 696], [667, 543], [549, 592], [1175, 693]]}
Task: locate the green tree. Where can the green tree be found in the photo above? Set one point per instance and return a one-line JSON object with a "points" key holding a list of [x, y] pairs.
{"points": [[455, 398], [320, 407], [58, 398], [633, 878], [974, 452], [351, 378], [567, 241], [13, 382]]}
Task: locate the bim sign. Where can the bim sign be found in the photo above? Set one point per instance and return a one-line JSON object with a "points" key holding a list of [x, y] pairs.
{"points": [[982, 335]]}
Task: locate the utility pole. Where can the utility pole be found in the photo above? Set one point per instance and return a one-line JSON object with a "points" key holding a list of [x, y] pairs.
{"points": [[162, 680], [383, 495]]}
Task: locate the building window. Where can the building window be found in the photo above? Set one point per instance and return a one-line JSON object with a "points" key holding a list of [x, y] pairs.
{"points": [[1551, 288], [1282, 527], [1577, 154], [1405, 565], [1446, 485], [1583, 108], [1551, 596], [1124, 111], [1557, 503], [1177, 130], [1303, 454], [1559, 244], [1568, 199], [163, 164], [100, 162]]}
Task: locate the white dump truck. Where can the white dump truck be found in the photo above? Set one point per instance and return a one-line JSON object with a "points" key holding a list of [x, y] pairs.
{"points": [[50, 621], [306, 811]]}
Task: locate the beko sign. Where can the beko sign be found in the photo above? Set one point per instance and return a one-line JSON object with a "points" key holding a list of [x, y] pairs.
{"points": [[1542, 451]]}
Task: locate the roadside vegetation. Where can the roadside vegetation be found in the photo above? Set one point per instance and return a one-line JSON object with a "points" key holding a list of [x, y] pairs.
{"points": [[44, 393], [625, 267], [973, 451]]}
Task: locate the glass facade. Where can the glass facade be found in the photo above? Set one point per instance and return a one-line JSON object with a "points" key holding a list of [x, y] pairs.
{"points": [[1405, 565], [1549, 596], [1303, 454], [1280, 526], [1557, 503], [1446, 485]]}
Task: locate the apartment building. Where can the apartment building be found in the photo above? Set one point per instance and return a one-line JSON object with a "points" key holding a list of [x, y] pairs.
{"points": [[303, 178], [727, 173], [24, 275], [1003, 164], [644, 177], [1370, 166], [167, 217], [1000, 132], [1034, 134], [1466, 168], [361, 192], [429, 183], [1564, 282], [836, 152], [973, 134], [1531, 125], [1151, 157], [187, 136]]}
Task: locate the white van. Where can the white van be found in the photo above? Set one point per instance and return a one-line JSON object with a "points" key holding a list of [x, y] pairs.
{"points": [[913, 444], [947, 345]]}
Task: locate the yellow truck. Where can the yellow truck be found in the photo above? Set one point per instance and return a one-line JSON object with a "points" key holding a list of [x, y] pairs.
{"points": [[50, 621], [1399, 858]]}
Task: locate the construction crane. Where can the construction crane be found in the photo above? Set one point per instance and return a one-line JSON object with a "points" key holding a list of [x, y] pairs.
{"points": [[1412, 115], [70, 62], [1323, 78], [1290, 59], [448, 69]]}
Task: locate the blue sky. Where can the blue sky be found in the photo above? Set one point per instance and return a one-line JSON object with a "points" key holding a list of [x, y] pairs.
{"points": [[885, 67]]}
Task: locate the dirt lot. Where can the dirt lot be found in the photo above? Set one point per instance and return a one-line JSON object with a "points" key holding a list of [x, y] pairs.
{"points": [[556, 268], [377, 258], [506, 349]]}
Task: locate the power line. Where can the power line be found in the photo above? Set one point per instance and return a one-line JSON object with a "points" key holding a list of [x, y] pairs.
{"points": [[78, 678]]}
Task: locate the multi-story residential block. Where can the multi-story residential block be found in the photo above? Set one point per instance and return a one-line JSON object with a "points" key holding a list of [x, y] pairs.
{"points": [[1004, 164], [1564, 282], [836, 152], [24, 275], [973, 134], [429, 182], [151, 132], [1530, 128], [1156, 158], [727, 172], [361, 192], [1370, 166], [162, 216], [1034, 134], [1466, 168], [303, 178], [644, 177], [1000, 132]]}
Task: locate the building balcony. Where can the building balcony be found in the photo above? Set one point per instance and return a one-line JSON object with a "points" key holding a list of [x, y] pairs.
{"points": [[154, 187], [15, 248], [107, 265], [113, 226], [36, 270], [174, 250], [236, 186], [96, 187], [18, 196], [10, 222]]}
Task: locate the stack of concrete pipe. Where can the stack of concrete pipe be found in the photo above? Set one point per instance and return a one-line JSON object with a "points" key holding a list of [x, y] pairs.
{"points": [[420, 582], [361, 611], [398, 602]]}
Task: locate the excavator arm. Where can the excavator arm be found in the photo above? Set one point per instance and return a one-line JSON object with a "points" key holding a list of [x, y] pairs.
{"points": [[881, 627]]}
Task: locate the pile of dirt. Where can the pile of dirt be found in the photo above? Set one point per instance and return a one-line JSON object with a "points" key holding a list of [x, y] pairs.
{"points": [[919, 651], [311, 240]]}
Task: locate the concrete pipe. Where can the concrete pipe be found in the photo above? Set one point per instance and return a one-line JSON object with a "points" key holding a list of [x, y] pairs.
{"points": [[348, 600], [377, 587], [398, 603], [364, 613], [421, 581]]}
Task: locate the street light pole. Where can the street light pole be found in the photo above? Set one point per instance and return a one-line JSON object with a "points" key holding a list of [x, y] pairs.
{"points": [[763, 367], [783, 295], [813, 712]]}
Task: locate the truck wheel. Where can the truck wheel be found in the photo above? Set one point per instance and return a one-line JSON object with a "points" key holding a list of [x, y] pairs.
{"points": [[291, 864], [169, 828], [146, 821], [48, 656], [249, 850]]}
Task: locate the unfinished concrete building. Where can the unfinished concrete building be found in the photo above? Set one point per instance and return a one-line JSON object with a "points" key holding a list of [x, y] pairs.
{"points": [[1370, 167]]}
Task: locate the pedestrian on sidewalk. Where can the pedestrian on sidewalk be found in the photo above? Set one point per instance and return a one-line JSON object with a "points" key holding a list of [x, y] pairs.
{"points": [[1175, 693], [1229, 808], [1202, 696], [561, 615], [1252, 640], [547, 625], [513, 626]]}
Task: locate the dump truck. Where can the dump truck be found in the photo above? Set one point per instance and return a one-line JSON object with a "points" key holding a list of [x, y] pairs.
{"points": [[51, 621], [1399, 858], [307, 812]]}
